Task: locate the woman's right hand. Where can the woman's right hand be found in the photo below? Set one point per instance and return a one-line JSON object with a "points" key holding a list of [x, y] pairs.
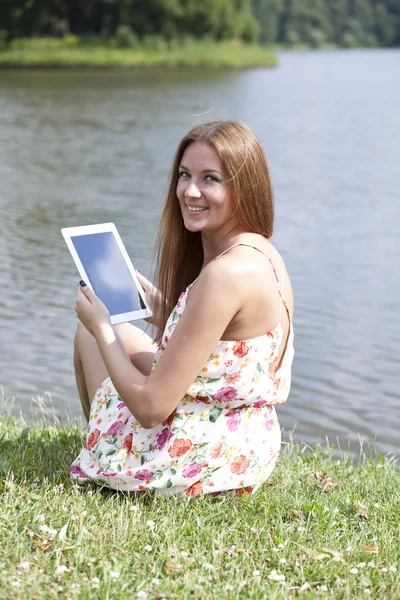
{"points": [[149, 289]]}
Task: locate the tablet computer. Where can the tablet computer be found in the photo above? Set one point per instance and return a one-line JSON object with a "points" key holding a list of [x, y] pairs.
{"points": [[105, 266]]}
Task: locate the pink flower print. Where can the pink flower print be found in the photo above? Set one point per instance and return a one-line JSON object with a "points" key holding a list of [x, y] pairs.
{"points": [[163, 437], [121, 405], [234, 421], [77, 471], [235, 377], [194, 490], [192, 470], [217, 449], [272, 367], [92, 439], [144, 475], [239, 464], [179, 447], [268, 422], [115, 427], [240, 349], [259, 404], [109, 473], [228, 363], [127, 444], [225, 394]]}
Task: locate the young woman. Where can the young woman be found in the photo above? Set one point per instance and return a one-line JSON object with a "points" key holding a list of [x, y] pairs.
{"points": [[195, 413]]}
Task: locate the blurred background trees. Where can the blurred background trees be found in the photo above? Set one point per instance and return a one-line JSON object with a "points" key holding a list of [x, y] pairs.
{"points": [[346, 23]]}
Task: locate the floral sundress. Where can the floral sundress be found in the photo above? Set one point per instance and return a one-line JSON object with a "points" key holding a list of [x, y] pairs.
{"points": [[223, 437]]}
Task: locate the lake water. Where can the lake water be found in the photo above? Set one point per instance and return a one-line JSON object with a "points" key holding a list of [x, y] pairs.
{"points": [[86, 147]]}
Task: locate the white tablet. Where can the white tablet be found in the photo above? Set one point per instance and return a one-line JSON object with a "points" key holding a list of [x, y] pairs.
{"points": [[105, 266]]}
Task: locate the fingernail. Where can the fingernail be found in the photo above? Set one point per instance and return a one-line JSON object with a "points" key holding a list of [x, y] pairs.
{"points": [[139, 271], [82, 283]]}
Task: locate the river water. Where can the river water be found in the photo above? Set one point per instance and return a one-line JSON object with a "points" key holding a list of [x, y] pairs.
{"points": [[96, 146]]}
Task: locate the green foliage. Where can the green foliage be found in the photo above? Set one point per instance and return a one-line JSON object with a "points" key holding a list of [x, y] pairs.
{"points": [[3, 39], [125, 38], [315, 23]]}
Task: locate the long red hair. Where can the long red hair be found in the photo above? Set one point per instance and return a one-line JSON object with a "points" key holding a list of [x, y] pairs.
{"points": [[179, 252]]}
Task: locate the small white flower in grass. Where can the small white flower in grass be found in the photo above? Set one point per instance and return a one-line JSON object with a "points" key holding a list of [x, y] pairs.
{"points": [[322, 588], [253, 530], [16, 584], [301, 528], [114, 574], [150, 523], [384, 570], [155, 581], [25, 566], [229, 587], [40, 518], [361, 565], [75, 587], [184, 554], [275, 549], [393, 569], [371, 564], [365, 581], [61, 569], [280, 546], [274, 576], [338, 581], [282, 561], [349, 548], [95, 580], [148, 548], [142, 594], [367, 592], [208, 566], [134, 508], [256, 573], [354, 571], [377, 505], [49, 530]]}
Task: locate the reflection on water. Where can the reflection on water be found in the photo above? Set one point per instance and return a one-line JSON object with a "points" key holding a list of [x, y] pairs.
{"points": [[91, 147]]}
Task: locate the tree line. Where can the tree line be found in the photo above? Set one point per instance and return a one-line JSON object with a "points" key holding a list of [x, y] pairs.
{"points": [[345, 23]]}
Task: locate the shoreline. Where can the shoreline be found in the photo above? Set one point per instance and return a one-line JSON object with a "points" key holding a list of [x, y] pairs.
{"points": [[53, 53]]}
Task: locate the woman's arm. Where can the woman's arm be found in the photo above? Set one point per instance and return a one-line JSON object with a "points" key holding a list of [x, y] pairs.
{"points": [[215, 299]]}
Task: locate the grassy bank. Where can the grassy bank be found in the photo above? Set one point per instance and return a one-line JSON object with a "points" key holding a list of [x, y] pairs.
{"points": [[73, 52], [320, 528]]}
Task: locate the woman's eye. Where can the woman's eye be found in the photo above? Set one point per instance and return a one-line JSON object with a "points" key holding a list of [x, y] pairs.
{"points": [[183, 174], [211, 178]]}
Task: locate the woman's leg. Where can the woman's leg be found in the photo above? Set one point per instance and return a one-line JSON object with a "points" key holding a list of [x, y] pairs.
{"points": [[90, 370]]}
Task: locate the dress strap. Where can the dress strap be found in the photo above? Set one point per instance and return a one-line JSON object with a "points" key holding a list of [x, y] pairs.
{"points": [[280, 291], [279, 282]]}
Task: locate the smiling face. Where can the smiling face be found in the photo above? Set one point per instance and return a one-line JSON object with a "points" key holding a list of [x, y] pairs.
{"points": [[204, 196]]}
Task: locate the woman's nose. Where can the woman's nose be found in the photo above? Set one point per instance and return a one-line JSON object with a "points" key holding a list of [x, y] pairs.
{"points": [[192, 191]]}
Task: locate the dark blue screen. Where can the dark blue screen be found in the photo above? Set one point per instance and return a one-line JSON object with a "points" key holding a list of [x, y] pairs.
{"points": [[107, 271]]}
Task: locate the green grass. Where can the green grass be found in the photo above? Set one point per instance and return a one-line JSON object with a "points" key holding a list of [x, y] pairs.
{"points": [[306, 534], [72, 52]]}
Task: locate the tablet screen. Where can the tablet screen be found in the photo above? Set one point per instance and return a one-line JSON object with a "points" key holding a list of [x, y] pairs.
{"points": [[108, 273]]}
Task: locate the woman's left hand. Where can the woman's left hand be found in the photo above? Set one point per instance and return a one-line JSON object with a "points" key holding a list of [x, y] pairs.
{"points": [[90, 310]]}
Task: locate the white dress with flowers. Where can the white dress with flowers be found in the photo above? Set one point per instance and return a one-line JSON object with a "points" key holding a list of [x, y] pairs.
{"points": [[224, 435]]}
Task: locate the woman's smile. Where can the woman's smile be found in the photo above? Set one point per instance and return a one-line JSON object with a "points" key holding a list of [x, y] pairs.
{"points": [[196, 209]]}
